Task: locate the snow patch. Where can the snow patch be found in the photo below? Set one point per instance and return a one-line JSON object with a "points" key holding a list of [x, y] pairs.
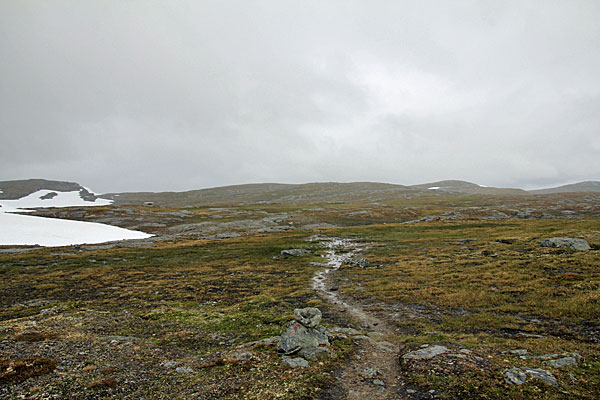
{"points": [[29, 230], [62, 199], [434, 187]]}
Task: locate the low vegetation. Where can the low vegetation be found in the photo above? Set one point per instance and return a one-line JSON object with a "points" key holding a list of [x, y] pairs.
{"points": [[178, 317]]}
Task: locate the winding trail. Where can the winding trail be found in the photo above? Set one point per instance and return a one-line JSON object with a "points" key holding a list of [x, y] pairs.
{"points": [[372, 372]]}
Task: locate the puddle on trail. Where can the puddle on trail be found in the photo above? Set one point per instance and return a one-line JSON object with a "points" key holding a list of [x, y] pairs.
{"points": [[338, 250]]}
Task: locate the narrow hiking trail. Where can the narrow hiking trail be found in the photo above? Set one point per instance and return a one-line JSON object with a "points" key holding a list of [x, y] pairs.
{"points": [[373, 371]]}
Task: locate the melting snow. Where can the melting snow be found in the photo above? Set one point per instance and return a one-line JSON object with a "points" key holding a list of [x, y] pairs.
{"points": [[434, 187], [29, 230], [62, 199]]}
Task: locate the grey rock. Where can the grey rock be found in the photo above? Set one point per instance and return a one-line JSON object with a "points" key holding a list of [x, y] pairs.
{"points": [[184, 370], [515, 376], [370, 373], [561, 362], [295, 362], [309, 316], [378, 382], [314, 353], [243, 356], [357, 262], [269, 340], [571, 243], [298, 336], [426, 353], [517, 352], [169, 364], [294, 253], [346, 331], [543, 375]]}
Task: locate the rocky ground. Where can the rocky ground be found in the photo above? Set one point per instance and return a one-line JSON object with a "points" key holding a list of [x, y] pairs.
{"points": [[440, 297]]}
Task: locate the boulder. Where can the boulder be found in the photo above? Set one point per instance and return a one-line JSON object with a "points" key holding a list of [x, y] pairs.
{"points": [[294, 253], [571, 243], [310, 317]]}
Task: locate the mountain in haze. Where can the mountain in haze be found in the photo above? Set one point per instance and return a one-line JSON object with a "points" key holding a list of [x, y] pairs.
{"points": [[322, 192], [463, 187], [587, 186]]}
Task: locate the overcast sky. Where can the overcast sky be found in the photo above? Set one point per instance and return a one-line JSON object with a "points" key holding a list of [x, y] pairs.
{"points": [[175, 95]]}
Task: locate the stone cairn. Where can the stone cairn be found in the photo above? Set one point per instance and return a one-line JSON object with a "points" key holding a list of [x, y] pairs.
{"points": [[304, 339]]}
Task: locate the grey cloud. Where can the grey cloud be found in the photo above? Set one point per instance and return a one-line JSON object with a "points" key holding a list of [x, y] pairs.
{"points": [[172, 96]]}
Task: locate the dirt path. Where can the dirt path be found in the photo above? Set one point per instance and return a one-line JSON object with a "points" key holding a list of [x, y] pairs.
{"points": [[372, 372]]}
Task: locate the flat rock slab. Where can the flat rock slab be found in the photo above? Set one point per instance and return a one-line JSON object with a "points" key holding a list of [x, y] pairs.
{"points": [[297, 362], [543, 375], [515, 376], [561, 362], [426, 353], [571, 243], [295, 252]]}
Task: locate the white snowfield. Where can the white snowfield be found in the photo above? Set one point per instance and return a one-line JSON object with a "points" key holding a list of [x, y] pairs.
{"points": [[29, 230]]}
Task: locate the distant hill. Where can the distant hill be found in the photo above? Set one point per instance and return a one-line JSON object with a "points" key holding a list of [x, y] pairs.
{"points": [[456, 186], [587, 186], [308, 193], [326, 192], [13, 190]]}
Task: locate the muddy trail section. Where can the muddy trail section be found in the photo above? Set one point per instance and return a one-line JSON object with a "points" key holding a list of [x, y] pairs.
{"points": [[372, 372]]}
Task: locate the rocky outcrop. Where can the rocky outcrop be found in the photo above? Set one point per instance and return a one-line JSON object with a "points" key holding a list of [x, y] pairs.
{"points": [[571, 243]]}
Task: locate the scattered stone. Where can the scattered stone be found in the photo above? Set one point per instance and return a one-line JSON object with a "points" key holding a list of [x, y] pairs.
{"points": [[184, 370], [465, 241], [357, 262], [543, 375], [516, 352], [571, 243], [515, 376], [375, 335], [267, 341], [378, 382], [530, 335], [309, 317], [561, 362], [425, 353], [295, 362], [386, 346], [411, 391], [370, 373], [347, 331], [314, 353], [169, 364], [243, 356], [295, 253]]}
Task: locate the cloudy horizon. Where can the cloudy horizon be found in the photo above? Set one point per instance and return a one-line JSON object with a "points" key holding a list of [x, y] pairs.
{"points": [[158, 96]]}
